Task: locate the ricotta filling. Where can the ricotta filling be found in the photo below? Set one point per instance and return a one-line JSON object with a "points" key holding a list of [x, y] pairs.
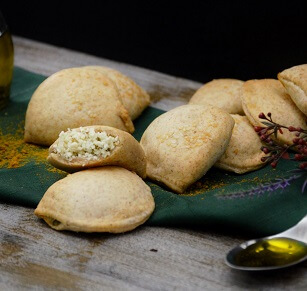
{"points": [[85, 143]]}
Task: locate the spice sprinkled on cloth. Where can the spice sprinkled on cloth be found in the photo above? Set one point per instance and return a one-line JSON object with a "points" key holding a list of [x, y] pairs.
{"points": [[15, 153]]}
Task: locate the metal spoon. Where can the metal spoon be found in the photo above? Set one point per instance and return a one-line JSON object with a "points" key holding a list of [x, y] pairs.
{"points": [[273, 252]]}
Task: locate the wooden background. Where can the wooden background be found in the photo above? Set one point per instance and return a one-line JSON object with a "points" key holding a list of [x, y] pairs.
{"points": [[33, 256]]}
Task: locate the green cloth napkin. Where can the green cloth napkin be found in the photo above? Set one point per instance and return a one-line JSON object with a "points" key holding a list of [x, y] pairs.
{"points": [[208, 204]]}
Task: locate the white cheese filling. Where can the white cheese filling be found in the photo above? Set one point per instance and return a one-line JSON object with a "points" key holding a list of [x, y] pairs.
{"points": [[85, 143]]}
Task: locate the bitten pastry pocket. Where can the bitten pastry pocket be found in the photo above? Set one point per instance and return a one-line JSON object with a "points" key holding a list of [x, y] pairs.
{"points": [[95, 146], [182, 144]]}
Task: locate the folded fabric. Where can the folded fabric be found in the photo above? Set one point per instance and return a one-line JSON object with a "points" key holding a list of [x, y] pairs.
{"points": [[259, 203]]}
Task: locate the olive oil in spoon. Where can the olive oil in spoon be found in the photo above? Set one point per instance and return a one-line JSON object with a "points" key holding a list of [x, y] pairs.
{"points": [[274, 252]]}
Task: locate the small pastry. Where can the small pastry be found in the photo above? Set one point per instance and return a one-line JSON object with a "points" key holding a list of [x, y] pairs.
{"points": [[222, 93], [243, 153]]}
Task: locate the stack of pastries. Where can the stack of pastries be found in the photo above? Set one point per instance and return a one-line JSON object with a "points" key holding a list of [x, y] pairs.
{"points": [[85, 116]]}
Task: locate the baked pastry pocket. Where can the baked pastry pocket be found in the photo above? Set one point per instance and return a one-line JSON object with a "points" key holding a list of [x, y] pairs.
{"points": [[243, 153], [222, 93], [107, 199], [295, 81], [182, 144], [72, 98], [134, 98], [268, 95]]}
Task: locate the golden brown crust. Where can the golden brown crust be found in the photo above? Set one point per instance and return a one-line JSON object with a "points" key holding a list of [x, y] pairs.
{"points": [[134, 98], [243, 153], [268, 95], [182, 144], [124, 116], [295, 81], [107, 199], [72, 98], [222, 93], [128, 154]]}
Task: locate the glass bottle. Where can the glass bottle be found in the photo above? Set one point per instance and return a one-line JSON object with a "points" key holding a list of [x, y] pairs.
{"points": [[6, 62]]}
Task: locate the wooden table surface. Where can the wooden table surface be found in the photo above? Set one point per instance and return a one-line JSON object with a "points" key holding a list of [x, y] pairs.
{"points": [[33, 256]]}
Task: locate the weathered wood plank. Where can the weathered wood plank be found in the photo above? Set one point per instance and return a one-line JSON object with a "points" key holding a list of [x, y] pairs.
{"points": [[33, 256]]}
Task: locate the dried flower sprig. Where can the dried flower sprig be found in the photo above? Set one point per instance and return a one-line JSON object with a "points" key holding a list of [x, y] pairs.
{"points": [[261, 189], [275, 150]]}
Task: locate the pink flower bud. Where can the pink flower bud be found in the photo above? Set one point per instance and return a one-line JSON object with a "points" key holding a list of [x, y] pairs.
{"points": [[262, 115], [274, 164], [291, 128], [298, 157], [258, 128], [303, 165]]}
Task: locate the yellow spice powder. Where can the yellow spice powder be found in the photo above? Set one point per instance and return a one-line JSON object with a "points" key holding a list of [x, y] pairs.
{"points": [[15, 153], [202, 186]]}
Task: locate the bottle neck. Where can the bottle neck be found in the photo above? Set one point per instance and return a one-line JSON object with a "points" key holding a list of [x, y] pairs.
{"points": [[3, 25]]}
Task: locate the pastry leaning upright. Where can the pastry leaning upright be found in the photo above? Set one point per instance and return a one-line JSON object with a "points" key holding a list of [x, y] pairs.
{"points": [[295, 81], [268, 95]]}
